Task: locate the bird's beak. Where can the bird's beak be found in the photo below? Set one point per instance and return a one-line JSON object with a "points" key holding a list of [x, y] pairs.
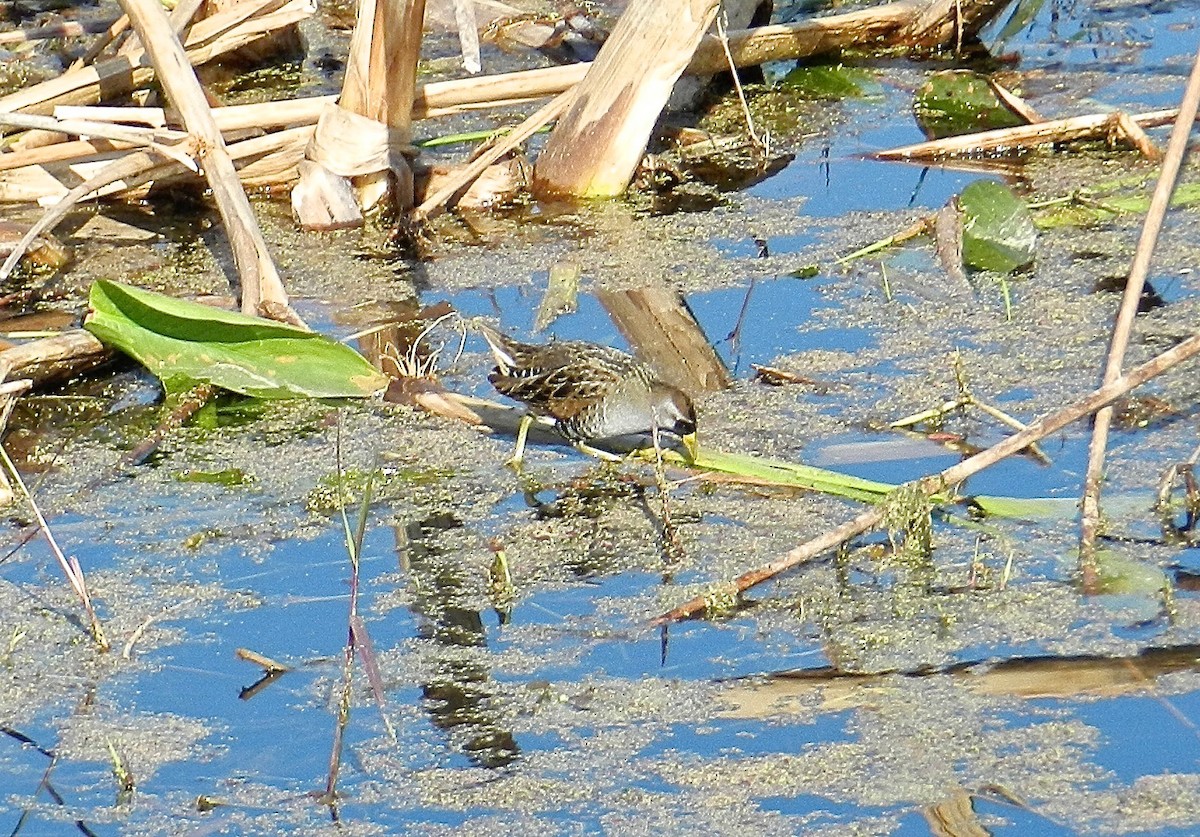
{"points": [[692, 446]]}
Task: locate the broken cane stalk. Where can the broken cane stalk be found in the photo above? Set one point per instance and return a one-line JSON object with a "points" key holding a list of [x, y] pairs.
{"points": [[261, 286]]}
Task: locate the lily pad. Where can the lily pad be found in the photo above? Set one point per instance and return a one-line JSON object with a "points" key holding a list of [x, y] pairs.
{"points": [[184, 343], [998, 230], [830, 82], [956, 102]]}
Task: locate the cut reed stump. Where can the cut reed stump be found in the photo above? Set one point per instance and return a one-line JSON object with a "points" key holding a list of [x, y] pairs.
{"points": [[356, 158], [662, 330], [595, 149]]}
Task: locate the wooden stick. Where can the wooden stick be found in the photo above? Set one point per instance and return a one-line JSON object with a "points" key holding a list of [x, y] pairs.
{"points": [[79, 127], [1138, 270], [260, 282], [1091, 126], [954, 475], [63, 29], [118, 28], [53, 358]]}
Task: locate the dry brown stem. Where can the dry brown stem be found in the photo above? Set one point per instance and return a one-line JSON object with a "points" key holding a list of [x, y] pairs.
{"points": [[1138, 270], [455, 186], [663, 331], [1023, 137], [260, 282], [364, 136], [954, 475], [595, 148], [53, 358]]}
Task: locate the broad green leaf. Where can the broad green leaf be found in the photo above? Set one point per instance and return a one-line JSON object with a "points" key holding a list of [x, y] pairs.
{"points": [[954, 102], [830, 81], [998, 231], [185, 343], [1123, 576]]}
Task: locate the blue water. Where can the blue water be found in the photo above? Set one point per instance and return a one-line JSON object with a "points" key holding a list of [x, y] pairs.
{"points": [[466, 708]]}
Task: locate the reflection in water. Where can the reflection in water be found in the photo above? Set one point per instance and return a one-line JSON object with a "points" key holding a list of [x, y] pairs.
{"points": [[458, 696]]}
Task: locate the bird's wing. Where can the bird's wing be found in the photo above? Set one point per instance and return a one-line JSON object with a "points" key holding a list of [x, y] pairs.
{"points": [[561, 379]]}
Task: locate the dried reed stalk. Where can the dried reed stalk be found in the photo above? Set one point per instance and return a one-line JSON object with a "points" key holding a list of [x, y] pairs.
{"points": [[748, 47], [365, 134], [63, 29], [596, 147], [1021, 137], [260, 283], [1123, 326], [206, 40]]}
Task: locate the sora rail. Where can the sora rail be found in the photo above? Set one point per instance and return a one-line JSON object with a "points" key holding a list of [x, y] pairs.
{"points": [[590, 393]]}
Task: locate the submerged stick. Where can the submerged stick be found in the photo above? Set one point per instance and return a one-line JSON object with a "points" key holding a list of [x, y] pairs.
{"points": [[952, 476], [1138, 270]]}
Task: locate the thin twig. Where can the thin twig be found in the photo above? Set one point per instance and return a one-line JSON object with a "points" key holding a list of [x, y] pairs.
{"points": [[1138, 270], [761, 145], [70, 566]]}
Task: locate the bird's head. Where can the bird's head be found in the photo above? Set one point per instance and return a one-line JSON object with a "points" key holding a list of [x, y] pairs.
{"points": [[675, 414]]}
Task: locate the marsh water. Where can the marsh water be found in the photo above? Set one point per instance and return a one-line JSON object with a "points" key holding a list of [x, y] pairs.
{"points": [[979, 692]]}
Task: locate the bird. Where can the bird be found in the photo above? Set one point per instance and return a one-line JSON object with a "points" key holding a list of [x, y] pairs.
{"points": [[590, 393]]}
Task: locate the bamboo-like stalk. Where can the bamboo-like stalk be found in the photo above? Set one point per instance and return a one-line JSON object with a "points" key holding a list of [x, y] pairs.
{"points": [[82, 127], [63, 29], [1070, 129], [1138, 270], [260, 282], [52, 358], [662, 330], [950, 477], [595, 148], [378, 90]]}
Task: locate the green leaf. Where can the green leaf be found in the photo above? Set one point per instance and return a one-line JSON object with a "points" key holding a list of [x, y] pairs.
{"points": [[830, 81], [1123, 576], [1026, 508], [954, 102], [1103, 202], [998, 230], [185, 343]]}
